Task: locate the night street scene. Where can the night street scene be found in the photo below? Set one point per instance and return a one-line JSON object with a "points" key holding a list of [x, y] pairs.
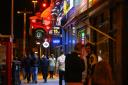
{"points": [[64, 42]]}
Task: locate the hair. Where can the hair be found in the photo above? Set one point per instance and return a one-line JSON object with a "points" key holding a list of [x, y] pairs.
{"points": [[78, 47], [90, 47], [61, 52]]}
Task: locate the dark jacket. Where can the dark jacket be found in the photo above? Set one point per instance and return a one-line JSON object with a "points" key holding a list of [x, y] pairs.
{"points": [[27, 64], [74, 66], [34, 61], [44, 65], [102, 74]]}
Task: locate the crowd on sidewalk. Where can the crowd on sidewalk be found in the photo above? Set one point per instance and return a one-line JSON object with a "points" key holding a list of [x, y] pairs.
{"points": [[32, 64], [80, 67]]}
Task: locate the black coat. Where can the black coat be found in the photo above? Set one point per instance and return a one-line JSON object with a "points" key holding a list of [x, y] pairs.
{"points": [[74, 66]]}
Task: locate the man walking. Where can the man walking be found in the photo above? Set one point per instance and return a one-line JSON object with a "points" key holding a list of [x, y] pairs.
{"points": [[61, 67]]}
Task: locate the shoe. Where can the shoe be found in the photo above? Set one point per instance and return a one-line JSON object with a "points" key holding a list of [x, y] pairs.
{"points": [[36, 82]]}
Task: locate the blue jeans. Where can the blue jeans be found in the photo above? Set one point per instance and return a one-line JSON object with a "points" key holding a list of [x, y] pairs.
{"points": [[61, 76], [34, 74]]}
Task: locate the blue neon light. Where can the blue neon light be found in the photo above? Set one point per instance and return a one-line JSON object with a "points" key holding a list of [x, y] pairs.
{"points": [[56, 41]]}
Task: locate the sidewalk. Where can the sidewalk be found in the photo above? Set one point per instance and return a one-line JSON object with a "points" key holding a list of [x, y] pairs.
{"points": [[54, 81], [40, 82]]}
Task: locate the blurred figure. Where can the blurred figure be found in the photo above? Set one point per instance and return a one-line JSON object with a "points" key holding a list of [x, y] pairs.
{"points": [[44, 67], [74, 66], [61, 67], [35, 64], [84, 55], [23, 66], [27, 66], [52, 62], [89, 49], [102, 74]]}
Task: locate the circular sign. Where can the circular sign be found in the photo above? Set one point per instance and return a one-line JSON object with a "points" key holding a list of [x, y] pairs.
{"points": [[46, 44], [39, 33]]}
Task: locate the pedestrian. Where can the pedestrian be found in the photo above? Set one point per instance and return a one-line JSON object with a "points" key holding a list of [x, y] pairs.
{"points": [[44, 67], [84, 55], [102, 74], [52, 62], [89, 49], [35, 64], [74, 66], [27, 67], [60, 65], [23, 66]]}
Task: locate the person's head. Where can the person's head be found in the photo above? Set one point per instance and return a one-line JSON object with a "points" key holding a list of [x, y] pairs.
{"points": [[79, 49], [61, 52], [88, 47], [52, 54]]}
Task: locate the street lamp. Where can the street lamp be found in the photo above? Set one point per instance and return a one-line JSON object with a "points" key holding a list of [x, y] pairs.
{"points": [[34, 2], [24, 30]]}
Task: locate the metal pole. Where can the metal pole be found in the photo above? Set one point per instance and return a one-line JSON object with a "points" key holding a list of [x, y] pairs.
{"points": [[24, 29], [12, 23], [24, 34], [12, 17], [34, 2]]}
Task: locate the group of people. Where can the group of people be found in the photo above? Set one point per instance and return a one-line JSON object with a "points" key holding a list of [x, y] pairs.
{"points": [[80, 67], [31, 64], [84, 67]]}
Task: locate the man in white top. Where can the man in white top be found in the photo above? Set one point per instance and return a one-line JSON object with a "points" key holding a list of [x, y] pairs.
{"points": [[52, 62], [61, 67]]}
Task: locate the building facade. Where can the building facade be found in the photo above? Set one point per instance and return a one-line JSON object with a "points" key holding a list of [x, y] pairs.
{"points": [[103, 24]]}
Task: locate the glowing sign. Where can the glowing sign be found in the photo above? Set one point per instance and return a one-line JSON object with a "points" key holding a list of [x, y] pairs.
{"points": [[46, 44], [39, 33], [56, 41], [56, 30]]}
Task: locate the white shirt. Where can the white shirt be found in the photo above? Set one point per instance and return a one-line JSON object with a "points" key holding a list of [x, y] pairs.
{"points": [[61, 62], [52, 61]]}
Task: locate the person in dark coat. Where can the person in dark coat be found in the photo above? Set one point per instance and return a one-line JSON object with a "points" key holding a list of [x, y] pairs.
{"points": [[74, 66], [44, 67], [102, 74], [27, 66], [35, 64]]}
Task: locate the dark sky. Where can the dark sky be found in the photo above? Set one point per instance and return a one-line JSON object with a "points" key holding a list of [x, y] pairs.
{"points": [[5, 17], [19, 5]]}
